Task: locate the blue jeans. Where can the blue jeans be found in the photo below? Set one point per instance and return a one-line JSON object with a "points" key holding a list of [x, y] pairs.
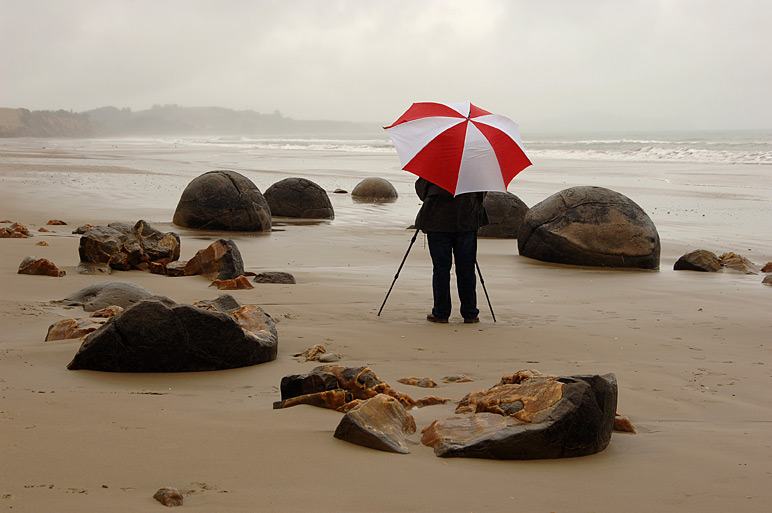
{"points": [[443, 247]]}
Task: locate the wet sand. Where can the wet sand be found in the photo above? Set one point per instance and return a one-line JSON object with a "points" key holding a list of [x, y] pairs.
{"points": [[691, 351]]}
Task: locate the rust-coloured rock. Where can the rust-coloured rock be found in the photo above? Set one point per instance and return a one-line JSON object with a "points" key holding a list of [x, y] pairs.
{"points": [[698, 260], [56, 222], [767, 268], [539, 417], [378, 423], [72, 328], [44, 230], [330, 399], [739, 263], [107, 311], [42, 243], [168, 496], [358, 383], [238, 283], [418, 382], [253, 319], [40, 266], [221, 258], [623, 424], [15, 231], [312, 353]]}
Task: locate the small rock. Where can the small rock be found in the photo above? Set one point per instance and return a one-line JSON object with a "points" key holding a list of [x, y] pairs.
{"points": [[698, 260], [275, 277], [168, 496], [739, 263], [80, 230], [41, 229], [239, 283], [767, 268], [418, 382], [40, 266], [623, 424], [72, 328], [340, 191], [108, 311], [312, 353], [56, 222], [456, 378], [329, 358], [92, 268], [42, 243], [767, 280]]}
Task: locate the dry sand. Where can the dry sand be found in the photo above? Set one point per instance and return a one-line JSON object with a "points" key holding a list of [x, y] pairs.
{"points": [[691, 352]]}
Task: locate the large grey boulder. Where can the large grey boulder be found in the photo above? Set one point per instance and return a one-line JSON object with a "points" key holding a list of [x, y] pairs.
{"points": [[374, 189], [107, 293], [154, 337], [591, 226], [223, 200], [505, 215], [299, 197]]}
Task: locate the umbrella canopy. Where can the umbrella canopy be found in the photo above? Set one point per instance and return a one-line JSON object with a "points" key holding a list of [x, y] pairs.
{"points": [[458, 146]]}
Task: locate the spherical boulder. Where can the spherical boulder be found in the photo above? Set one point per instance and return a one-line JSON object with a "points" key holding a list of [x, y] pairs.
{"points": [[591, 226], [223, 200], [299, 197], [505, 215], [374, 189]]}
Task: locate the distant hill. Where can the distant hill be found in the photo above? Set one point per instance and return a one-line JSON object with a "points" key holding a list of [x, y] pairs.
{"points": [[158, 120], [43, 123]]}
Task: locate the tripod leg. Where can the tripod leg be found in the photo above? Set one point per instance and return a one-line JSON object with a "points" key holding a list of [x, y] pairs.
{"points": [[412, 241], [482, 282]]}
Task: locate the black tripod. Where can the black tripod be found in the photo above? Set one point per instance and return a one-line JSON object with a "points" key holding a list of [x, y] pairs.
{"points": [[412, 241]]}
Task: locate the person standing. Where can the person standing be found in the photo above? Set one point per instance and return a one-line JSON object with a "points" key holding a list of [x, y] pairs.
{"points": [[451, 223]]}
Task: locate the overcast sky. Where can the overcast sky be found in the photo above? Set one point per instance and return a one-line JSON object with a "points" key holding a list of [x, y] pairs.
{"points": [[665, 63]]}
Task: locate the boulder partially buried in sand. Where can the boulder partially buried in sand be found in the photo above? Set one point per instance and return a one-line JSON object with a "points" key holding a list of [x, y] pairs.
{"points": [[107, 293], [505, 215], [374, 189], [154, 337], [529, 416], [591, 226], [699, 260], [223, 200], [40, 267], [300, 198]]}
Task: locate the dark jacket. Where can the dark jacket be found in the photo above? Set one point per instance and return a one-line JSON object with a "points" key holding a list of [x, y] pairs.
{"points": [[442, 212]]}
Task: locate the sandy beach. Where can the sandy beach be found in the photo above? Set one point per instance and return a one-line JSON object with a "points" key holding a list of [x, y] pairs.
{"points": [[691, 351]]}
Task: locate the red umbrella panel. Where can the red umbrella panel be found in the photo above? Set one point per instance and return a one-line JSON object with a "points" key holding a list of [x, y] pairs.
{"points": [[458, 146]]}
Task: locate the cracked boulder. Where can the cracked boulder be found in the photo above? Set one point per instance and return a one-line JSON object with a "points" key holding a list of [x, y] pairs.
{"points": [[591, 226], [299, 198], [152, 336], [124, 247], [223, 200], [530, 416]]}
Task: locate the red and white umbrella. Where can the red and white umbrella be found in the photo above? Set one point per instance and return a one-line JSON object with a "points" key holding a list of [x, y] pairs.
{"points": [[458, 146]]}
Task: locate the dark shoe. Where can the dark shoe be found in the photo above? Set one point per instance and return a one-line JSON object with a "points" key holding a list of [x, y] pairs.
{"points": [[471, 320], [433, 318]]}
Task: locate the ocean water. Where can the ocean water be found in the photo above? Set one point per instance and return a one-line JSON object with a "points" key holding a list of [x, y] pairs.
{"points": [[701, 189]]}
